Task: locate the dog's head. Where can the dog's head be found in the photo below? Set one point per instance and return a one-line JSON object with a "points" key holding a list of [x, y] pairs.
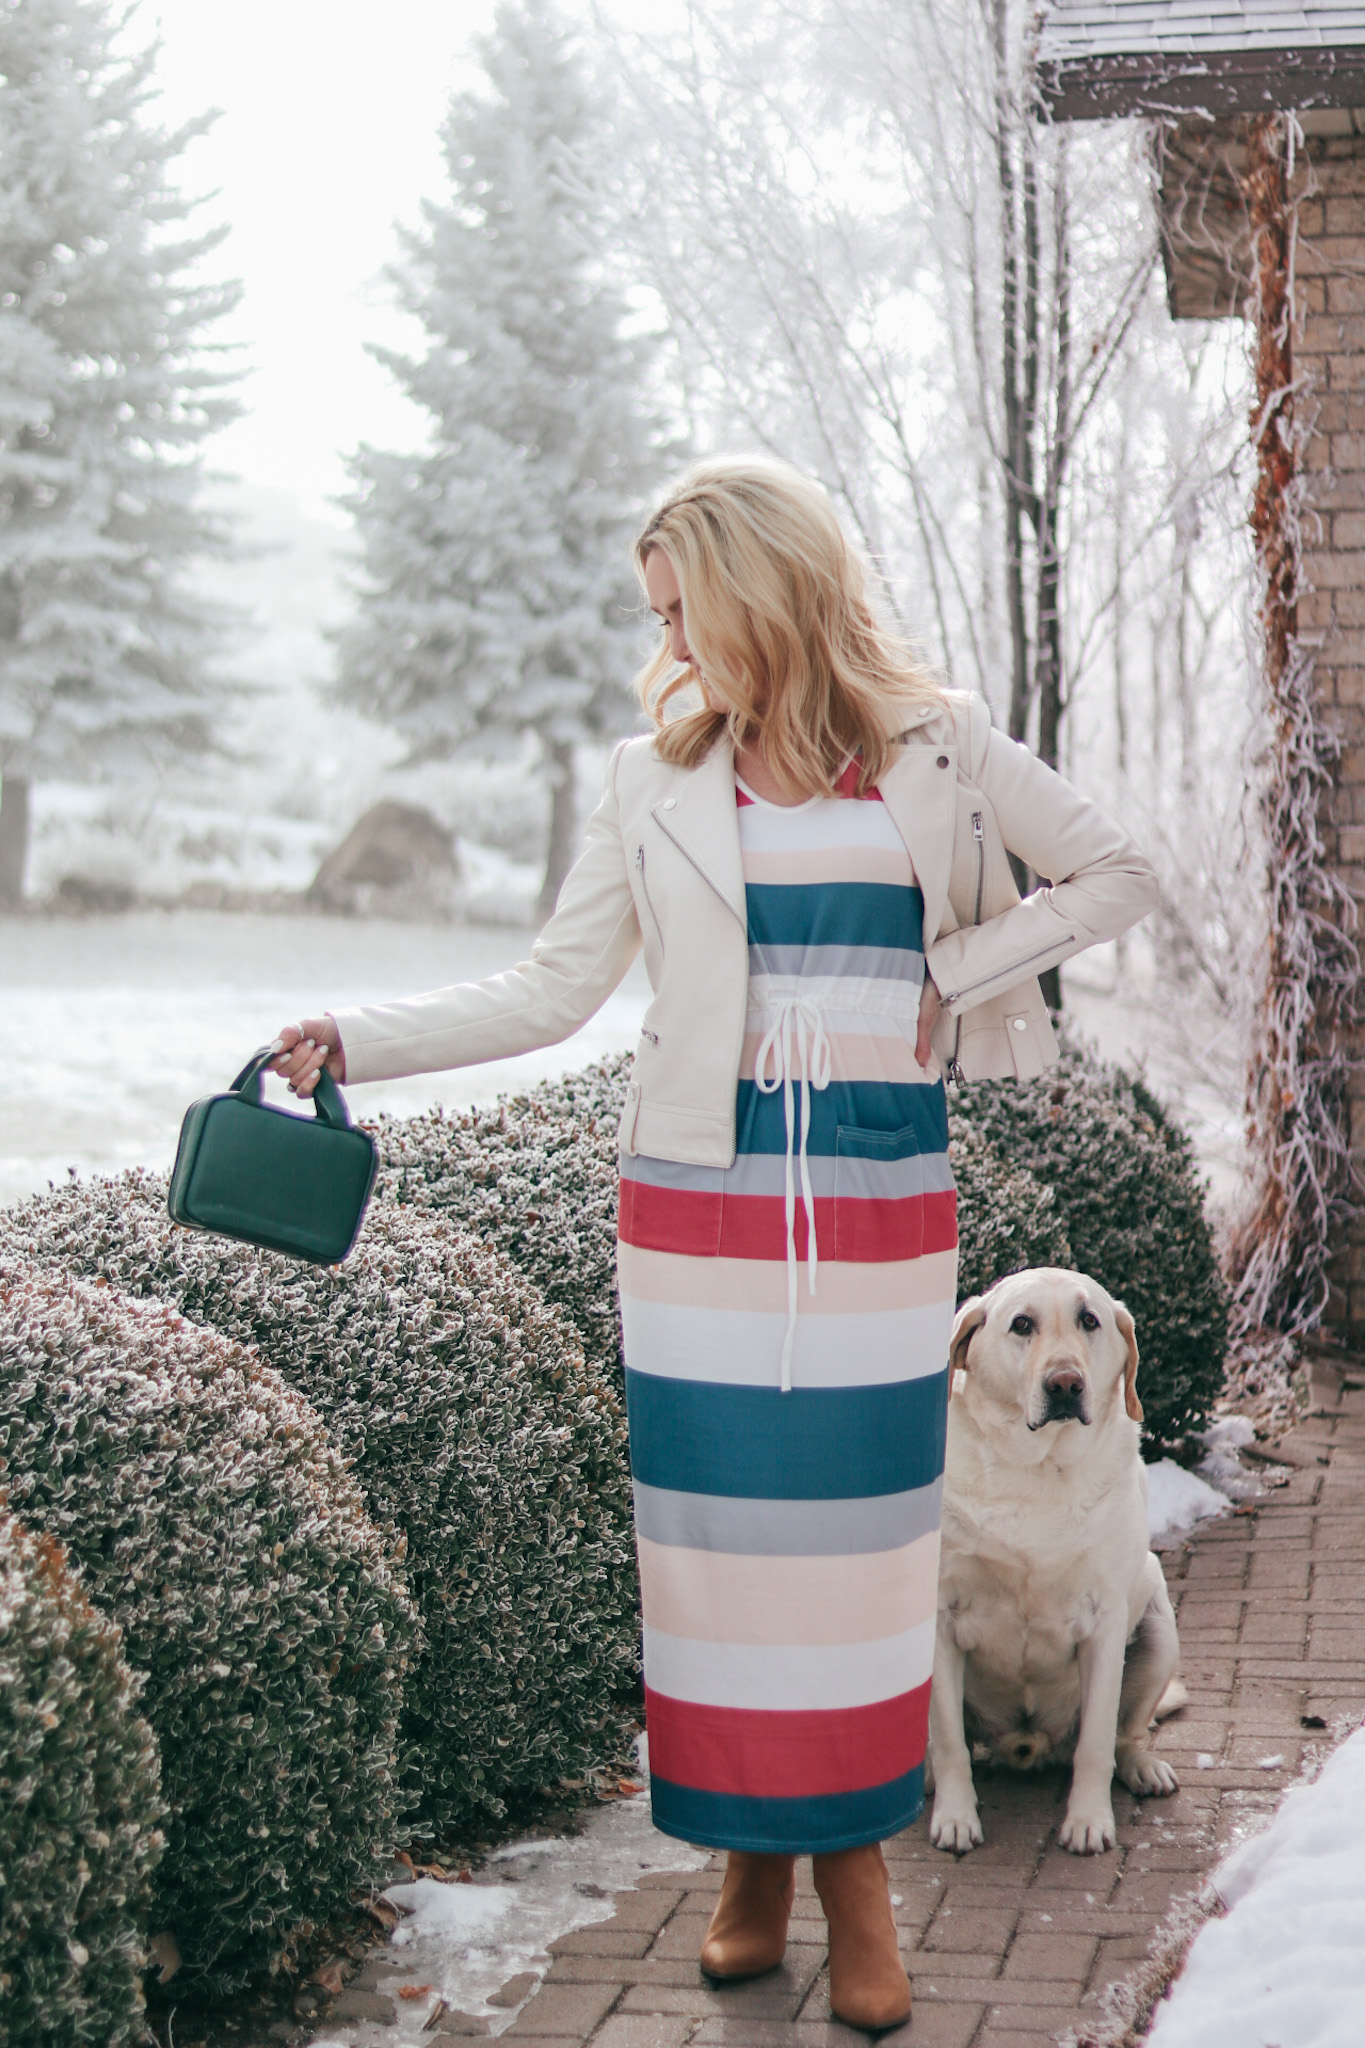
{"points": [[1044, 1347]]}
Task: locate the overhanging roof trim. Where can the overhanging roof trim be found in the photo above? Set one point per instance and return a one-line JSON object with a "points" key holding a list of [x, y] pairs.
{"points": [[1134, 28], [1099, 58]]}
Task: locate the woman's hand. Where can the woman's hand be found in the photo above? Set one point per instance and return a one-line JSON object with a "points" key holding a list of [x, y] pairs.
{"points": [[930, 1008], [305, 1049]]}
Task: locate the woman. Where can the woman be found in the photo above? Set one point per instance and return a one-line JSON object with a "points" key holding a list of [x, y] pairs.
{"points": [[814, 858]]}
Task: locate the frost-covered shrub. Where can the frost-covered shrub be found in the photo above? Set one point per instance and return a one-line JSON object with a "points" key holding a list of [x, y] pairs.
{"points": [[1006, 1219], [215, 1524], [474, 1427], [1131, 1203], [535, 1176], [80, 1810]]}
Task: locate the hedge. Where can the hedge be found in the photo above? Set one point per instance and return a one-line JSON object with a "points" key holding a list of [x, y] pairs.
{"points": [[80, 1810], [1130, 1200], [476, 1429], [215, 1524], [535, 1176], [1006, 1219]]}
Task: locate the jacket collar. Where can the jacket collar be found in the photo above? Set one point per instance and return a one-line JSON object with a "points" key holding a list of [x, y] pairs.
{"points": [[700, 817], [921, 798]]}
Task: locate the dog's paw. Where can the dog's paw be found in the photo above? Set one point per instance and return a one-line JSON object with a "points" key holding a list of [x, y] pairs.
{"points": [[1088, 1834], [1147, 1775], [956, 1828]]}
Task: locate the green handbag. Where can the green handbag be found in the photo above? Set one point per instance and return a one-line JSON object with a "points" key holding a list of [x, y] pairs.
{"points": [[296, 1184]]}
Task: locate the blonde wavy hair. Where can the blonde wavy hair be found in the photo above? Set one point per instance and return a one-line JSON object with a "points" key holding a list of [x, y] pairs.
{"points": [[779, 621]]}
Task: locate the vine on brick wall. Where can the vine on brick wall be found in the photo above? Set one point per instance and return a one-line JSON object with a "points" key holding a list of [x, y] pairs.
{"points": [[1297, 1109]]}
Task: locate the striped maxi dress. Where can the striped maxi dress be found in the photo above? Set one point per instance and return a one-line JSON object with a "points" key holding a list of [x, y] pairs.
{"points": [[786, 1324]]}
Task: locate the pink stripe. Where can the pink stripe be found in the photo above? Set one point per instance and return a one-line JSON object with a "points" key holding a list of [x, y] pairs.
{"points": [[669, 1276], [861, 1056], [765, 1755], [755, 1226], [828, 864]]}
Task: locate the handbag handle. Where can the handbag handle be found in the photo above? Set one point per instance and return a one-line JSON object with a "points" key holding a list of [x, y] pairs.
{"points": [[328, 1100]]}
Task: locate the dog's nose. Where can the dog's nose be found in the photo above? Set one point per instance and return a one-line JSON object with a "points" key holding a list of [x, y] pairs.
{"points": [[1064, 1395]]}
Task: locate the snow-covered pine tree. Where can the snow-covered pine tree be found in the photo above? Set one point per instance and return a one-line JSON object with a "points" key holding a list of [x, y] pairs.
{"points": [[496, 598], [107, 390]]}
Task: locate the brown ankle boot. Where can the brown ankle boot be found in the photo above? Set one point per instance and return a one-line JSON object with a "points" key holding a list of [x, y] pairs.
{"points": [[868, 1986], [748, 1931]]}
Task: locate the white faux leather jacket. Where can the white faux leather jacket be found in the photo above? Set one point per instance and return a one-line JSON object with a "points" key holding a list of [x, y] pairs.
{"points": [[661, 869]]}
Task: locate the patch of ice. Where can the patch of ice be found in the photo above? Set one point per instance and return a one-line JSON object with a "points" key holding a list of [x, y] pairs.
{"points": [[465, 1941], [1221, 1465], [1287, 1964], [1177, 1499], [1204, 1762]]}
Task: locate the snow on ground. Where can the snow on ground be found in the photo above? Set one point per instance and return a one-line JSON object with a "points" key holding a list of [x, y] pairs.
{"points": [[111, 1026], [465, 1941], [1221, 1466], [1286, 1967], [1177, 1499]]}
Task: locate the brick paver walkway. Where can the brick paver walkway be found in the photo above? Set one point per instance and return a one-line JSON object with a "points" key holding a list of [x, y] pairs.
{"points": [[1011, 1944]]}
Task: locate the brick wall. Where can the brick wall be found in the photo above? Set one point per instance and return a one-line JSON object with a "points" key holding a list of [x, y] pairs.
{"points": [[1330, 357]]}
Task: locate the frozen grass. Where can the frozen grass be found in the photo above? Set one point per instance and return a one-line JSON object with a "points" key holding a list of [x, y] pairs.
{"points": [[111, 1026]]}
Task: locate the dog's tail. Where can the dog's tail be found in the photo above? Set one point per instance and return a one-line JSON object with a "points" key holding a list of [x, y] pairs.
{"points": [[1172, 1700]]}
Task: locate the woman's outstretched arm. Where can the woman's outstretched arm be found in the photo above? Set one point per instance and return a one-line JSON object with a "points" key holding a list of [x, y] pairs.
{"points": [[578, 959]]}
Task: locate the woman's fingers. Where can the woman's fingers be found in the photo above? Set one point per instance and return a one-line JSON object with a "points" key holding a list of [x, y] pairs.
{"points": [[305, 1048], [929, 1007]]}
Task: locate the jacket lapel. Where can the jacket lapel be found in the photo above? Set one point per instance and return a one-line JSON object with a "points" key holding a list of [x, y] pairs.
{"points": [[699, 816], [922, 800]]}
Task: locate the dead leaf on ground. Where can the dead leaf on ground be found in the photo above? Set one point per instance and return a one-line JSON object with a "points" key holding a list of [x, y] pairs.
{"points": [[414, 1990], [164, 1951], [331, 1976], [384, 1911]]}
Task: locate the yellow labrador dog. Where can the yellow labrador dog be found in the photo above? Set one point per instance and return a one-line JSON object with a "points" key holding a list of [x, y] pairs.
{"points": [[1056, 1638]]}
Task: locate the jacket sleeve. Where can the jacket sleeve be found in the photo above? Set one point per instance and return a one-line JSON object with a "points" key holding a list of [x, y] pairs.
{"points": [[1099, 883], [577, 961]]}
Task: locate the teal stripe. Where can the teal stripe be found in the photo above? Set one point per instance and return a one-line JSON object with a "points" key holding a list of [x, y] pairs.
{"points": [[814, 1443], [911, 1108], [835, 914], [795, 1827]]}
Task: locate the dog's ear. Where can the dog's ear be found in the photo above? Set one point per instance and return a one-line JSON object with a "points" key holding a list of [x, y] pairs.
{"points": [[1129, 1335], [966, 1323]]}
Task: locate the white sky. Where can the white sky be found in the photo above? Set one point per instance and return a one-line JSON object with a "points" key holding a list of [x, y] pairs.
{"points": [[327, 136]]}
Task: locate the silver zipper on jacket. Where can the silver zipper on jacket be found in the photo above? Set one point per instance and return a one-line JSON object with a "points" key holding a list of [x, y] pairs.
{"points": [[644, 888], [956, 1077], [1006, 974], [645, 1031]]}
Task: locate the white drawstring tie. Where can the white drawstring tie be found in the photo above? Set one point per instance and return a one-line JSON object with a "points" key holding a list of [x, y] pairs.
{"points": [[799, 1015]]}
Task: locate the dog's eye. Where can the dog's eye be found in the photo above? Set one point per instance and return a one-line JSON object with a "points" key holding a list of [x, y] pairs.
{"points": [[1022, 1326], [1089, 1320]]}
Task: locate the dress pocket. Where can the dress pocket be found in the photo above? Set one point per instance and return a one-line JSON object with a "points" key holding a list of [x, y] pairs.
{"points": [[668, 1207], [878, 1195]]}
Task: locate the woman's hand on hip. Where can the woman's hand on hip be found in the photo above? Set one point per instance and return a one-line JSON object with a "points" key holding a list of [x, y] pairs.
{"points": [[305, 1049], [930, 1009]]}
